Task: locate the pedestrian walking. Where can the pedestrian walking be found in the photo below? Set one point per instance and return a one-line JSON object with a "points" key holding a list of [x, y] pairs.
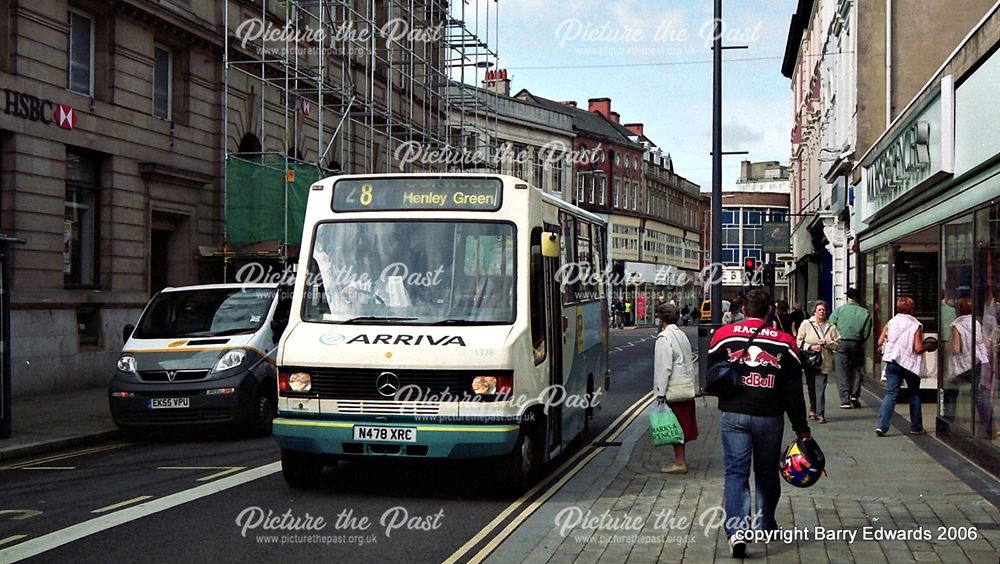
{"points": [[674, 380], [854, 323], [818, 335], [752, 421], [785, 318], [685, 313], [798, 316], [628, 311], [903, 347]]}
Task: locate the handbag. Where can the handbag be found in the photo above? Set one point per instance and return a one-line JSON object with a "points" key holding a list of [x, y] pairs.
{"points": [[812, 359], [685, 390], [722, 379], [665, 427]]}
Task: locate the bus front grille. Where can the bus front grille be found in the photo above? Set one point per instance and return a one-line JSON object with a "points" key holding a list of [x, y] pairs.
{"points": [[376, 407], [413, 386]]}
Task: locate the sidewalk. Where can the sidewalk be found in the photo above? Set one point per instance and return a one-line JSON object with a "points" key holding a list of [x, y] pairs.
{"points": [[885, 483], [51, 421]]}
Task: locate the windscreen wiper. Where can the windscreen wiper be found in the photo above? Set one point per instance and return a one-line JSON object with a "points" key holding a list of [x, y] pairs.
{"points": [[364, 318], [456, 322]]}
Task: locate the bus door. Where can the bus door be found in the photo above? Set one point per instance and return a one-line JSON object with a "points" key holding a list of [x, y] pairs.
{"points": [[555, 339]]}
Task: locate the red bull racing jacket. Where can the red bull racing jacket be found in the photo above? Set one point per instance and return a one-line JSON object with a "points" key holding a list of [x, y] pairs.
{"points": [[772, 385]]}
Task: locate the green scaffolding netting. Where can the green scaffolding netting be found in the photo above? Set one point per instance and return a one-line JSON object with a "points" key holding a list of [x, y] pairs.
{"points": [[255, 199]]}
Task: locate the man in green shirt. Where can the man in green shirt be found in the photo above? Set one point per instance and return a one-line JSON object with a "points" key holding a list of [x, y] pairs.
{"points": [[855, 326]]}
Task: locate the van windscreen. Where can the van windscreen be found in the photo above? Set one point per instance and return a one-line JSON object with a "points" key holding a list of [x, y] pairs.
{"points": [[205, 313]]}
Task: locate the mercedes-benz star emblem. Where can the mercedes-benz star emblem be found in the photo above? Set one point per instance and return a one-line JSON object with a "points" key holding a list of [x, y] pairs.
{"points": [[387, 384], [171, 374]]}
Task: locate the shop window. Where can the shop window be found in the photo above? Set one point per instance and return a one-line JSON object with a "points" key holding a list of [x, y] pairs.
{"points": [[983, 357], [80, 235], [81, 53], [161, 82], [956, 293]]}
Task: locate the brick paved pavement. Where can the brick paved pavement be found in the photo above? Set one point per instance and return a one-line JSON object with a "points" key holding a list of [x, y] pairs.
{"points": [[889, 484]]}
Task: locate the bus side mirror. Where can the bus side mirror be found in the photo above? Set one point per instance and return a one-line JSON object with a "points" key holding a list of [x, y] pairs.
{"points": [[550, 244]]}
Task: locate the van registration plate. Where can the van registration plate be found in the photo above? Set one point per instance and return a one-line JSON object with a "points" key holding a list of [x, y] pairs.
{"points": [[385, 434], [169, 403]]}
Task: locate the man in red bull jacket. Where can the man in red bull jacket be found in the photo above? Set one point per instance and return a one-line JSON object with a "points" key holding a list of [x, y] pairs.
{"points": [[752, 421]]}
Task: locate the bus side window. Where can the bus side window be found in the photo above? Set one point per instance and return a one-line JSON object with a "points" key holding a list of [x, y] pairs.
{"points": [[537, 294], [568, 260]]}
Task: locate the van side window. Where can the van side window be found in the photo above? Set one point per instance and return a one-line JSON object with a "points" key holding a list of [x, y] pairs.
{"points": [[537, 293]]}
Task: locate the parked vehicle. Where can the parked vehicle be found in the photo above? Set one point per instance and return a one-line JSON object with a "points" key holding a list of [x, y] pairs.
{"points": [[201, 355], [706, 310]]}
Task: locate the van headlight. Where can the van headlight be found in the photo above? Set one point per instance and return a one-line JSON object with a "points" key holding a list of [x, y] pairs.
{"points": [[230, 360], [126, 363]]}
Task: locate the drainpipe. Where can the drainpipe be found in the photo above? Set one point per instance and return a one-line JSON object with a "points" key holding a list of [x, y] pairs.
{"points": [[888, 63]]}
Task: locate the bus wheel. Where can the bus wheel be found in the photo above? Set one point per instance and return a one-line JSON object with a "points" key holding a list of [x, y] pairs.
{"points": [[301, 469], [519, 469]]}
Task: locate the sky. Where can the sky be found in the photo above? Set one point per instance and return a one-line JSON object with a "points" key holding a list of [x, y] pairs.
{"points": [[653, 59]]}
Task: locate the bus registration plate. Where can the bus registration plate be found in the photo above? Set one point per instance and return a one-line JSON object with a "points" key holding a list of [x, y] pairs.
{"points": [[385, 434]]}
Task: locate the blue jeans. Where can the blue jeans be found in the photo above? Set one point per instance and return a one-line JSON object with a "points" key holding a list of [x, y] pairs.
{"points": [[895, 375], [746, 438]]}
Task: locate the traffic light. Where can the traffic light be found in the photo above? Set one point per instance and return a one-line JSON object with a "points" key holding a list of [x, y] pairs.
{"points": [[750, 267], [769, 274]]}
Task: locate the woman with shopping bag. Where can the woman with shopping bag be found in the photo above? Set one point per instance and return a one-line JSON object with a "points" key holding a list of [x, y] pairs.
{"points": [[674, 383]]}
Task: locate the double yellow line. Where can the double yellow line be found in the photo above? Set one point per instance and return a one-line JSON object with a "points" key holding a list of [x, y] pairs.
{"points": [[570, 468], [65, 455]]}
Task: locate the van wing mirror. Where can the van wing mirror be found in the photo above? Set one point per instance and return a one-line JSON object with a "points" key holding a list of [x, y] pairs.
{"points": [[550, 244], [127, 332]]}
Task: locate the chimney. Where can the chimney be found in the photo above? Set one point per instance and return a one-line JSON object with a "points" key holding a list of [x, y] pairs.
{"points": [[600, 105], [634, 128], [570, 103], [615, 117], [497, 81], [744, 171]]}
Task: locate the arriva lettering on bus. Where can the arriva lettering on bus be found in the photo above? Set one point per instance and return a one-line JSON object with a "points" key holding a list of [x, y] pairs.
{"points": [[443, 341]]}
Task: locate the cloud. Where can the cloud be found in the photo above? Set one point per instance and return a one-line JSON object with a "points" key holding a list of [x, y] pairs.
{"points": [[739, 135]]}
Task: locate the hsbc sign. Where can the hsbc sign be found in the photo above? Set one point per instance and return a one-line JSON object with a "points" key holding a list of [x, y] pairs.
{"points": [[33, 108]]}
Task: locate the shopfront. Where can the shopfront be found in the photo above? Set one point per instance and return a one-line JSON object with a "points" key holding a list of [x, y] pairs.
{"points": [[929, 228]]}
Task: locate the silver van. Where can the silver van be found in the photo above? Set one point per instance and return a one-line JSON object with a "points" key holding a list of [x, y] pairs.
{"points": [[202, 355]]}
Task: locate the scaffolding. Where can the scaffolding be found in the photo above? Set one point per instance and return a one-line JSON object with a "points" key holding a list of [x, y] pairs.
{"points": [[320, 87]]}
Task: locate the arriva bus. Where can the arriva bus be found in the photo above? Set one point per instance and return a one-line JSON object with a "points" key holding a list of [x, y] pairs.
{"points": [[441, 316]]}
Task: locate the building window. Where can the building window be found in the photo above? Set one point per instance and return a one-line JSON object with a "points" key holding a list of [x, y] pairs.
{"points": [[161, 82], [615, 191], [81, 53], [591, 185], [81, 222], [580, 188], [602, 188], [635, 197], [557, 176]]}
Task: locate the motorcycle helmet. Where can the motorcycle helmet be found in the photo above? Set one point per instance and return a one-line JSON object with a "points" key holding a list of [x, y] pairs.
{"points": [[802, 463]]}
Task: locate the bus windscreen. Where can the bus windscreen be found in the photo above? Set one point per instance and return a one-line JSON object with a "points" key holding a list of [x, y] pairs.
{"points": [[380, 194]]}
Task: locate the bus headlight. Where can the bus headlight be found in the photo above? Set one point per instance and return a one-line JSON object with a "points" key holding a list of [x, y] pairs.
{"points": [[126, 363], [300, 382], [492, 385]]}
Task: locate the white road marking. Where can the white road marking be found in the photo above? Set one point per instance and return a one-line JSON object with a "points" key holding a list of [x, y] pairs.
{"points": [[25, 513], [226, 470], [64, 456], [12, 538], [42, 544], [122, 504], [49, 468]]}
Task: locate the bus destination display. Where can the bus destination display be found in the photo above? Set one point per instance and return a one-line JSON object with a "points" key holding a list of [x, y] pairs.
{"points": [[375, 194]]}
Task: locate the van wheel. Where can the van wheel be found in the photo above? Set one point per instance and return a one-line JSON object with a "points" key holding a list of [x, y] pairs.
{"points": [[518, 470], [263, 414], [301, 469]]}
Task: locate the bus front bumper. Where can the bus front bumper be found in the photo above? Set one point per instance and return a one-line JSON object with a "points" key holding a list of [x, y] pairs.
{"points": [[452, 440]]}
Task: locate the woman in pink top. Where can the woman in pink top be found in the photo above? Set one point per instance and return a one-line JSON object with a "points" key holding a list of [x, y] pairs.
{"points": [[903, 341]]}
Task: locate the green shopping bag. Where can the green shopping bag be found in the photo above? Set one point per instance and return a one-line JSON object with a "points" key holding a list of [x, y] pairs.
{"points": [[665, 427]]}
